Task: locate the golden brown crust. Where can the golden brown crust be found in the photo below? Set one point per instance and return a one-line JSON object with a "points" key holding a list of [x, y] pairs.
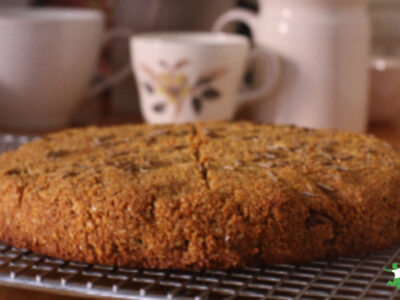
{"points": [[211, 195]]}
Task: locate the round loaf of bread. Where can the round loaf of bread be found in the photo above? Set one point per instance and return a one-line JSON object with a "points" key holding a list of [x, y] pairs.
{"points": [[211, 195]]}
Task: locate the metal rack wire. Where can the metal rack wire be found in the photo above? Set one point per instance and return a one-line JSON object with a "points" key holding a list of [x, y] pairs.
{"points": [[344, 278]]}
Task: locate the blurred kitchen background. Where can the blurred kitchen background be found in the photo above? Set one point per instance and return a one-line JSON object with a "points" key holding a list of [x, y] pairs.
{"points": [[120, 103]]}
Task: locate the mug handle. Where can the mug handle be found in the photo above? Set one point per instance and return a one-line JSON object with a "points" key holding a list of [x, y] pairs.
{"points": [[235, 15], [273, 63], [271, 78], [118, 75]]}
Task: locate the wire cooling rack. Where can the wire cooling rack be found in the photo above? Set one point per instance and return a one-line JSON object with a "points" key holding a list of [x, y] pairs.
{"points": [[345, 278]]}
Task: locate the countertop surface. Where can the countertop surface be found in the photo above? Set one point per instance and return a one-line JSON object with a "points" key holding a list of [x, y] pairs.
{"points": [[387, 131]]}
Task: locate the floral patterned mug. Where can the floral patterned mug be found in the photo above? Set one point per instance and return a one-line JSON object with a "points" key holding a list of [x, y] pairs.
{"points": [[189, 77]]}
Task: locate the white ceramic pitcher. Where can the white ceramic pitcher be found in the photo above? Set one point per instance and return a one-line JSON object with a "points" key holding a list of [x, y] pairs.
{"points": [[324, 48]]}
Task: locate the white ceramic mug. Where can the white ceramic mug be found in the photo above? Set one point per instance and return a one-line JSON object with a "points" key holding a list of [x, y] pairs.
{"points": [[158, 15], [187, 77], [47, 57], [324, 48]]}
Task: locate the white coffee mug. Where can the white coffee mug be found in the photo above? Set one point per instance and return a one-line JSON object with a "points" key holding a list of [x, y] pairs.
{"points": [[47, 57], [188, 77], [324, 49]]}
